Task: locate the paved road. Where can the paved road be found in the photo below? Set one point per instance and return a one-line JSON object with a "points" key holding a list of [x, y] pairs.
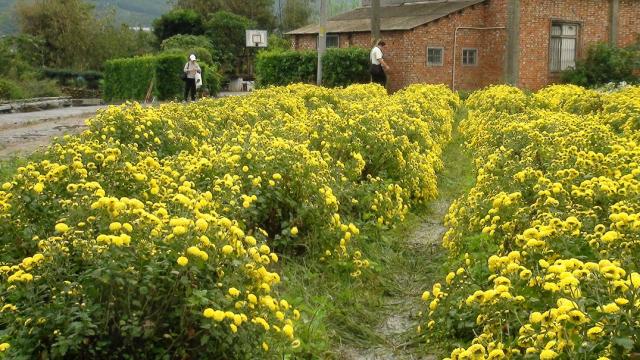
{"points": [[8, 121]]}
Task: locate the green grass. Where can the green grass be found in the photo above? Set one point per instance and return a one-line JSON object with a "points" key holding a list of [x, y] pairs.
{"points": [[9, 166], [458, 175]]}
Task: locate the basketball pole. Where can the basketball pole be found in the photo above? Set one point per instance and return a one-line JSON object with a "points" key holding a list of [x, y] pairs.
{"points": [[322, 38]]}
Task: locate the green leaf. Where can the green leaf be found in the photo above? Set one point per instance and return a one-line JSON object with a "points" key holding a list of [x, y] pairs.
{"points": [[626, 343]]}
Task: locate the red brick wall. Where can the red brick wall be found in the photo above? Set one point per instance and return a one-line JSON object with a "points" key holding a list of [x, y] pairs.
{"points": [[489, 43], [628, 22], [304, 42], [535, 26]]}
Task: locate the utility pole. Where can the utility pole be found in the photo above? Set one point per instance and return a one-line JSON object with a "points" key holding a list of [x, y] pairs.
{"points": [[375, 19], [322, 38]]}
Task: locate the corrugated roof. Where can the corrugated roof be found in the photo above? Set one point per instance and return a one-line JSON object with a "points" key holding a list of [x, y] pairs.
{"points": [[395, 17]]}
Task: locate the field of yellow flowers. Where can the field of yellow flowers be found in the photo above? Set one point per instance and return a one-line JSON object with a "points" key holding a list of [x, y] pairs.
{"points": [[156, 232], [544, 248]]}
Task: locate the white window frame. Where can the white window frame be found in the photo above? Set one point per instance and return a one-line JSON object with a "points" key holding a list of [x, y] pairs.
{"points": [[475, 58], [434, 64], [558, 66]]}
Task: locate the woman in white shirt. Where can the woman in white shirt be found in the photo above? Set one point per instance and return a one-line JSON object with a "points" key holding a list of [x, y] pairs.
{"points": [[378, 65], [191, 68]]}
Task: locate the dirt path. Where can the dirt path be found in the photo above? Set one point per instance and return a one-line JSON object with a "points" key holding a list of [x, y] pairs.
{"points": [[24, 140], [414, 265], [421, 250]]}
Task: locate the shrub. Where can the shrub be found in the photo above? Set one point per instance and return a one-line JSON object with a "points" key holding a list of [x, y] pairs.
{"points": [[41, 88], [343, 67], [285, 67], [182, 41], [91, 79], [169, 84], [9, 90], [128, 78], [276, 42], [604, 64]]}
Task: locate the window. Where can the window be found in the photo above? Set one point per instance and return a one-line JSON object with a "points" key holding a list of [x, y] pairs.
{"points": [[435, 56], [469, 57], [333, 41], [563, 46]]}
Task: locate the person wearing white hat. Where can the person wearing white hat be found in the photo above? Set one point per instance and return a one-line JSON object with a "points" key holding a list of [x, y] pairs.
{"points": [[191, 68]]}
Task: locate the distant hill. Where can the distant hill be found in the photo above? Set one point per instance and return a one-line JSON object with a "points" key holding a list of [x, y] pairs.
{"points": [[132, 12]]}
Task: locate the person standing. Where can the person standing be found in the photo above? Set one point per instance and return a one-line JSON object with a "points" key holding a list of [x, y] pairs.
{"points": [[378, 65], [191, 68]]}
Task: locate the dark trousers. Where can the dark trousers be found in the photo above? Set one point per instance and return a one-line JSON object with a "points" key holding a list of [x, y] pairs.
{"points": [[378, 76], [190, 86]]}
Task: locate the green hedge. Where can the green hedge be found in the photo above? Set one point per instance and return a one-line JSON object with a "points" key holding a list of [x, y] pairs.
{"points": [[285, 67], [341, 67], [129, 79], [169, 84]]}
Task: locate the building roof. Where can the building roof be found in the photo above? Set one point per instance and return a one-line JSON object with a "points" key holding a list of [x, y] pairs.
{"points": [[394, 17]]}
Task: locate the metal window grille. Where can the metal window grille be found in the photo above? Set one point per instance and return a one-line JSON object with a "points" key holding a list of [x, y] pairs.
{"points": [[563, 46], [469, 56], [333, 41], [435, 56]]}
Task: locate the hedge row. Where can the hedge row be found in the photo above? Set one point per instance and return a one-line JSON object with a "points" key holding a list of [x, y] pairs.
{"points": [[129, 79], [341, 67]]}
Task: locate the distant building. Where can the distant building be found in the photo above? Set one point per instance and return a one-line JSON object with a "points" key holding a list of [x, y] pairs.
{"points": [[470, 44], [141, 28]]}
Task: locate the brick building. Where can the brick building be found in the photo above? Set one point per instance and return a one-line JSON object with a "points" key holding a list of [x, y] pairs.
{"points": [[522, 42]]}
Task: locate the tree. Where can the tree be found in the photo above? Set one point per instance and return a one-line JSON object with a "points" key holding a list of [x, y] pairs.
{"points": [[74, 36], [64, 25], [179, 21], [295, 13], [199, 45], [278, 43], [259, 11], [227, 32]]}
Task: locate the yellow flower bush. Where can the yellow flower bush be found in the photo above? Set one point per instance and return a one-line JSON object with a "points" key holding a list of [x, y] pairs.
{"points": [[548, 237], [156, 231]]}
